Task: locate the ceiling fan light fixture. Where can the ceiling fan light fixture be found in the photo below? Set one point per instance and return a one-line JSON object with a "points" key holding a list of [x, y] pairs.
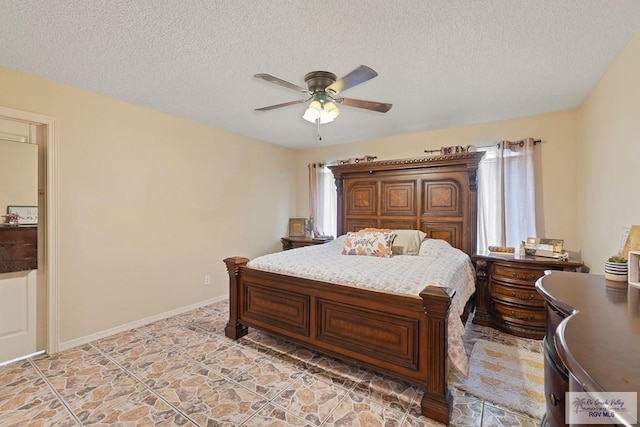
{"points": [[313, 112], [329, 112], [322, 110]]}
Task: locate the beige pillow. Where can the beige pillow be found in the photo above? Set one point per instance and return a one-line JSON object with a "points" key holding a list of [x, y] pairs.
{"points": [[407, 242]]}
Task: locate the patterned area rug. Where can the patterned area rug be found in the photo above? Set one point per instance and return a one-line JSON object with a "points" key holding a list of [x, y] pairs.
{"points": [[509, 376]]}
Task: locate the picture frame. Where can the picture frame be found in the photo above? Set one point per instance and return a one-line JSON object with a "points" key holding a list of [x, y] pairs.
{"points": [[537, 246], [27, 215], [553, 245], [297, 227], [632, 242]]}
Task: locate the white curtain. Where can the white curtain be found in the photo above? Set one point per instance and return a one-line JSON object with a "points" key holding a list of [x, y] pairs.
{"points": [[322, 200], [506, 194]]}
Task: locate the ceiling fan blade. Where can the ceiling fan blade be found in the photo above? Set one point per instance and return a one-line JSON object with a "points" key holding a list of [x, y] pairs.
{"points": [[357, 76], [380, 107], [284, 104], [280, 82]]}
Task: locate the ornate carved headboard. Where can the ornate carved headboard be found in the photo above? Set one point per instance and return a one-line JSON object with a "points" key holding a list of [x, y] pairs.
{"points": [[434, 194]]}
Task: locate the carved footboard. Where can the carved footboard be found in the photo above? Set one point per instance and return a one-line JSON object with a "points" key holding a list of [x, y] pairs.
{"points": [[402, 336]]}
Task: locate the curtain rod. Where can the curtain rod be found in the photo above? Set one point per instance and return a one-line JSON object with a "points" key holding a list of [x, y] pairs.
{"points": [[367, 158], [455, 150]]}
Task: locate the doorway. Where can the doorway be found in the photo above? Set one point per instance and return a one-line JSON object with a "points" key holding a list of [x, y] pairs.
{"points": [[41, 308]]}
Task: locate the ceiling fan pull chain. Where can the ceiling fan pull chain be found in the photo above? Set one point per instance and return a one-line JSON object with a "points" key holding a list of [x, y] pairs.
{"points": [[319, 136]]}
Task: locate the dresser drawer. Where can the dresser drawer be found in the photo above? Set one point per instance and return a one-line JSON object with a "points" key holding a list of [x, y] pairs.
{"points": [[510, 273], [526, 295], [515, 313], [556, 384], [18, 249]]}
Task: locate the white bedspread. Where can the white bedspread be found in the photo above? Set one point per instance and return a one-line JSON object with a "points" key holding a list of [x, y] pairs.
{"points": [[437, 263]]}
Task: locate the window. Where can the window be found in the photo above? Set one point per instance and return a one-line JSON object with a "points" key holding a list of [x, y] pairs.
{"points": [[322, 199], [506, 194]]}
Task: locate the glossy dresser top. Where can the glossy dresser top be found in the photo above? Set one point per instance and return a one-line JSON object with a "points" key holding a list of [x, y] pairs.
{"points": [[600, 342], [544, 262]]}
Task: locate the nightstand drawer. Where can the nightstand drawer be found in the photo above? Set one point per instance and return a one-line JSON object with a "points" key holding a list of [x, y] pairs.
{"points": [[519, 295], [518, 314], [517, 273]]}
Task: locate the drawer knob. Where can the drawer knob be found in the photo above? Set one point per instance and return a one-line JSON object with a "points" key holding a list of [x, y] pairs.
{"points": [[553, 399]]}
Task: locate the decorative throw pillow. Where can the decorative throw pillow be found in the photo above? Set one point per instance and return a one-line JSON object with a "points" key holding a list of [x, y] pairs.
{"points": [[372, 243], [407, 242]]}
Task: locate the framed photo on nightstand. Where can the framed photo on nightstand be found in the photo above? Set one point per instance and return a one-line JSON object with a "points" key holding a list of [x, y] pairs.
{"points": [[297, 227]]}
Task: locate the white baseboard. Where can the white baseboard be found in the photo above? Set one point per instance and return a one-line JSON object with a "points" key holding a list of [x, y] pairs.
{"points": [[126, 327]]}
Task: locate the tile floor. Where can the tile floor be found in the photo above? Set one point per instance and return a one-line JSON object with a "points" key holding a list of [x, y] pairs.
{"points": [[183, 371]]}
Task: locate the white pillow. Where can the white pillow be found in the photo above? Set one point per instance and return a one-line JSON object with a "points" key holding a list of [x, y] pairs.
{"points": [[434, 247], [407, 242]]}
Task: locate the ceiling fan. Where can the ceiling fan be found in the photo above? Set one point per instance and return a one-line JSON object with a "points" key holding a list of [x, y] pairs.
{"points": [[322, 88]]}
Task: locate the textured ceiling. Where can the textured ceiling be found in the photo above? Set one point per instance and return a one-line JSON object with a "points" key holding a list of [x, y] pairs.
{"points": [[441, 63]]}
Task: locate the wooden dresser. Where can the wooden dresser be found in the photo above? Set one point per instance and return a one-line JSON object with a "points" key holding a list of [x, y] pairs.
{"points": [[18, 248], [592, 342], [506, 297]]}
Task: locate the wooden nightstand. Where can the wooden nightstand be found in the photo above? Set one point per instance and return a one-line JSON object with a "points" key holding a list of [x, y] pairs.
{"points": [[299, 242], [506, 297]]}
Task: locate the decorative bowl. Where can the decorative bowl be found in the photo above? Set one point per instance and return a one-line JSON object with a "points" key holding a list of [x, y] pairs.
{"points": [[616, 277], [616, 267]]}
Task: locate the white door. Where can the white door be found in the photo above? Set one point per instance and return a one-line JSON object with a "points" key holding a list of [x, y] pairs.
{"points": [[17, 314], [18, 290]]}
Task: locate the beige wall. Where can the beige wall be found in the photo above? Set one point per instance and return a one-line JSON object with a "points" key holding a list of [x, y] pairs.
{"points": [[150, 203], [609, 188], [556, 184]]}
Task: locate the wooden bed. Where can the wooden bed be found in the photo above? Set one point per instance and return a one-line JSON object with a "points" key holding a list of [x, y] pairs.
{"points": [[402, 336]]}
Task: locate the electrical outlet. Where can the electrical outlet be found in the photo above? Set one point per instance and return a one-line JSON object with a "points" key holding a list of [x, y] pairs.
{"points": [[207, 280]]}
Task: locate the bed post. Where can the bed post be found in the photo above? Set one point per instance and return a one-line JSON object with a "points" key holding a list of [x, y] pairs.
{"points": [[340, 226], [234, 328], [437, 401]]}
